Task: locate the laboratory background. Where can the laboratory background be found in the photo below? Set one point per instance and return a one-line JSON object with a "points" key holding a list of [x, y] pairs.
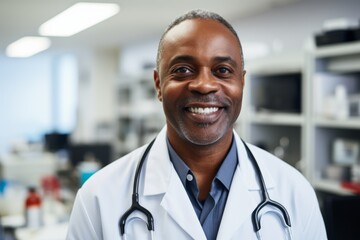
{"points": [[75, 97]]}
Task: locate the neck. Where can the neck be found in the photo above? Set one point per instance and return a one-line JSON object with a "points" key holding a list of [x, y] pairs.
{"points": [[204, 161]]}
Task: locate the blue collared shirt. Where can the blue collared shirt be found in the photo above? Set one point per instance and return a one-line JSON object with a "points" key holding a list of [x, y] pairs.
{"points": [[210, 211]]}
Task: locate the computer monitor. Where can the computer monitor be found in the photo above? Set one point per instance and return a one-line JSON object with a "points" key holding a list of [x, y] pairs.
{"points": [[341, 216], [101, 151], [56, 141]]}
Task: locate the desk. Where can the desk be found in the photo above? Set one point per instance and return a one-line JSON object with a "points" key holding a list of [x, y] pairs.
{"points": [[52, 232], [48, 232]]}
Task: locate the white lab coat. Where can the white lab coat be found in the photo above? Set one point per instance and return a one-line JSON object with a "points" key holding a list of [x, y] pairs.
{"points": [[105, 197]]}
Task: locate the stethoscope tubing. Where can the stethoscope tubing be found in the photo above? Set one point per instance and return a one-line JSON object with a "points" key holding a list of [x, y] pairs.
{"points": [[135, 205], [266, 200]]}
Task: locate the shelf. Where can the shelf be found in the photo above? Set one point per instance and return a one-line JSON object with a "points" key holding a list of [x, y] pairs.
{"points": [[289, 119], [331, 187], [338, 50], [345, 64], [276, 64], [140, 109], [351, 123]]}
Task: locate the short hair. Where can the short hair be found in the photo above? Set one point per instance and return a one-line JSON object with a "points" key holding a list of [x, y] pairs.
{"points": [[197, 14]]}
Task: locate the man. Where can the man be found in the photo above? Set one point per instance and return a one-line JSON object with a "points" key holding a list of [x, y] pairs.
{"points": [[197, 181]]}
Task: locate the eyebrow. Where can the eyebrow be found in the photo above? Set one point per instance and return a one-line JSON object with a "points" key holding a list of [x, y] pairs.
{"points": [[188, 58], [181, 58], [228, 59]]}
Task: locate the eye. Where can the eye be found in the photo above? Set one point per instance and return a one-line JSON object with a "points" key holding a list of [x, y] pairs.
{"points": [[182, 70], [223, 72]]}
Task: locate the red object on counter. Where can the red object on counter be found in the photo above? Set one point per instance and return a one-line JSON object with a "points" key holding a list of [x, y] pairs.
{"points": [[51, 186], [33, 209], [352, 186], [33, 199]]}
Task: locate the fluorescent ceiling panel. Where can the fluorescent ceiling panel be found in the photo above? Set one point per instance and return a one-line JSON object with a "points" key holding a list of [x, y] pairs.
{"points": [[27, 46], [77, 18]]}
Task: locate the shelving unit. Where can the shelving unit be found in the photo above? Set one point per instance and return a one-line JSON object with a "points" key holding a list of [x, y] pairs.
{"points": [[327, 68], [139, 114], [273, 108]]}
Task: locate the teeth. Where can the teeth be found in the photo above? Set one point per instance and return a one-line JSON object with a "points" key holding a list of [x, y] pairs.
{"points": [[207, 110]]}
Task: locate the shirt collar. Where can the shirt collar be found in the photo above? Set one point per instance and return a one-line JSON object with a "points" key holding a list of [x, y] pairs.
{"points": [[180, 166], [225, 173], [227, 169]]}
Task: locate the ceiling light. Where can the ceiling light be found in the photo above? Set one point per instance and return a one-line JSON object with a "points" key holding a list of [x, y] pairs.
{"points": [[27, 46], [77, 18]]}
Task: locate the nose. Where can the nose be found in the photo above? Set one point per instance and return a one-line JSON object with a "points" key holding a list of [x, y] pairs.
{"points": [[204, 83]]}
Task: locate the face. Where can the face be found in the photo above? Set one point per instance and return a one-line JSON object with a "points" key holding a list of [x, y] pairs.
{"points": [[200, 81]]}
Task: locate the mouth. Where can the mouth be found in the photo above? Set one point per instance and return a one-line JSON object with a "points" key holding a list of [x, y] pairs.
{"points": [[204, 114], [203, 110]]}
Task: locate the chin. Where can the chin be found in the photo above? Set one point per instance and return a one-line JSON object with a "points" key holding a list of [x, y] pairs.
{"points": [[203, 139]]}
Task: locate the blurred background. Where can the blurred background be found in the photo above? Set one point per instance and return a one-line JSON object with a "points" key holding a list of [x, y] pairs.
{"points": [[77, 99]]}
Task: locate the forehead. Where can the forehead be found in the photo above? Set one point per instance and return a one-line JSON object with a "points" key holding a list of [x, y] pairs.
{"points": [[200, 36]]}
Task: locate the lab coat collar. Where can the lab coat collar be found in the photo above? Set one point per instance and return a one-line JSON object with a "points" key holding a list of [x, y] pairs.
{"points": [[161, 178], [247, 171], [159, 168]]}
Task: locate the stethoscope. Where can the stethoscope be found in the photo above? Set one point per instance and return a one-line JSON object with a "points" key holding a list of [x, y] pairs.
{"points": [[256, 217]]}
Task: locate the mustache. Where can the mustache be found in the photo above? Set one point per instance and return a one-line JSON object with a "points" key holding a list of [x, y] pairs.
{"points": [[213, 98]]}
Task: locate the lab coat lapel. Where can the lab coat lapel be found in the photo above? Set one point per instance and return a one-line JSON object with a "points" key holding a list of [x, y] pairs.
{"points": [[177, 204], [238, 209], [241, 202], [161, 178]]}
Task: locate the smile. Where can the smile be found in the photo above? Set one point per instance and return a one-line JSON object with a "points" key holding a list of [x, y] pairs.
{"points": [[206, 110]]}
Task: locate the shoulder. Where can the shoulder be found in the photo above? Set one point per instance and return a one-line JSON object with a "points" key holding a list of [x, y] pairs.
{"points": [[293, 191], [277, 168], [288, 182], [103, 194]]}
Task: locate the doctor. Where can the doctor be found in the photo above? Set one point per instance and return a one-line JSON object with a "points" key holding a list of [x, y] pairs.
{"points": [[197, 181]]}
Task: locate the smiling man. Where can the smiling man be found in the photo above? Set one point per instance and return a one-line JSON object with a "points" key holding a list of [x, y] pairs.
{"points": [[198, 179]]}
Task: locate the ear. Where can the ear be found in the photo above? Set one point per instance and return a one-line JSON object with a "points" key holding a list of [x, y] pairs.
{"points": [[157, 85], [243, 78]]}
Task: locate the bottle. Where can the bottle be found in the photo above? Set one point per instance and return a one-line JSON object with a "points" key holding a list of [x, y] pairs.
{"points": [[33, 209], [281, 150], [342, 102], [50, 199]]}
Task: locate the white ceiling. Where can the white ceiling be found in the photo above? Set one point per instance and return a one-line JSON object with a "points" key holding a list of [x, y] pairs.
{"points": [[137, 19]]}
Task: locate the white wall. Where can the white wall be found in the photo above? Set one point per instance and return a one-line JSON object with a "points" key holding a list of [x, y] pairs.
{"points": [[133, 57], [25, 101], [98, 74], [37, 96]]}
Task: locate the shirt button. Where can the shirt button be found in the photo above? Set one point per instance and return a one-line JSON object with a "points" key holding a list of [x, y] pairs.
{"points": [[189, 177]]}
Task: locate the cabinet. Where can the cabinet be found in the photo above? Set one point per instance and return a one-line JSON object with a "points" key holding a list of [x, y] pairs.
{"points": [[333, 74]]}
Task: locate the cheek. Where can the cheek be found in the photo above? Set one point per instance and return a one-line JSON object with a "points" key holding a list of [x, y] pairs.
{"points": [[171, 91], [235, 93]]}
